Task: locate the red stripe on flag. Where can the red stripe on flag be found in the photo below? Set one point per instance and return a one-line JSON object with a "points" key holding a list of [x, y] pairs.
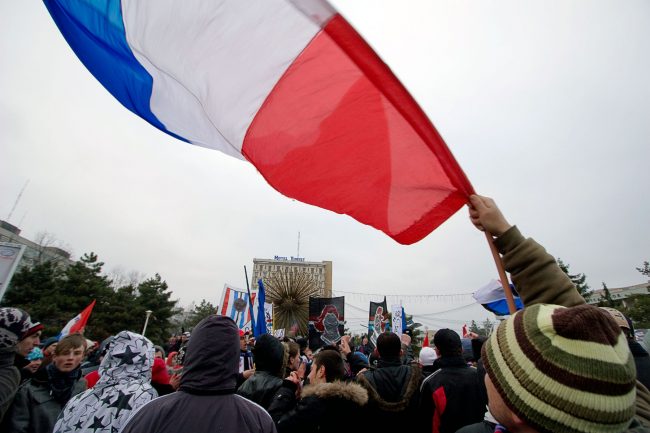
{"points": [[340, 131], [83, 319], [224, 307]]}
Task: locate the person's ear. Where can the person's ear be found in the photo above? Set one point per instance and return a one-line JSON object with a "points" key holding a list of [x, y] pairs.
{"points": [[321, 372]]}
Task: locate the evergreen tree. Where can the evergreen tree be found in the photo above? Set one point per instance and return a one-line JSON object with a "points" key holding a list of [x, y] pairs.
{"points": [[606, 299], [579, 280], [639, 311], [82, 283], [30, 287], [154, 295], [200, 312]]}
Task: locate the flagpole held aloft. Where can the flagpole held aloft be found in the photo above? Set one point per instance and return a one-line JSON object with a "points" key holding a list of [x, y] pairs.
{"points": [[502, 274], [250, 299]]}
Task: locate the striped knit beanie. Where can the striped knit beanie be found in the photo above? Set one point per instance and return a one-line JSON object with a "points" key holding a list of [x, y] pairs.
{"points": [[563, 369]]}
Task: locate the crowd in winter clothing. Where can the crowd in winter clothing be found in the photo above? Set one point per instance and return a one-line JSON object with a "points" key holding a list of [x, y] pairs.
{"points": [[558, 365]]}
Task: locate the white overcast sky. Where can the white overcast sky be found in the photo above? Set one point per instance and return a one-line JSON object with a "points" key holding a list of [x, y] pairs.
{"points": [[545, 104]]}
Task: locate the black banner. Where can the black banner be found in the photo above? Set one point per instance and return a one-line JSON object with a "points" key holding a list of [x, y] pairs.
{"points": [[326, 321], [377, 321]]}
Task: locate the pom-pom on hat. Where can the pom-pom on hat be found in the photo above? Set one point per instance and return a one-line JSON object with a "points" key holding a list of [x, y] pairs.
{"points": [[563, 370]]}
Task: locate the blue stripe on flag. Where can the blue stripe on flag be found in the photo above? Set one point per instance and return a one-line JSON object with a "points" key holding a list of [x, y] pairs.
{"points": [[500, 307], [95, 31]]}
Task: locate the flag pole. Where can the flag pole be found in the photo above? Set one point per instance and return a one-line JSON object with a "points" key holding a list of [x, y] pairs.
{"points": [[502, 274], [250, 300]]}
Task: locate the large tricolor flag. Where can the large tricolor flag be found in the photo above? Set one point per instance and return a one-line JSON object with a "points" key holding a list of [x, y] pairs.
{"points": [[78, 323], [288, 85], [236, 304]]}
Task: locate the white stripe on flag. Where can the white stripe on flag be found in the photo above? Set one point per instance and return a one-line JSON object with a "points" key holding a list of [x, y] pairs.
{"points": [[182, 44]]}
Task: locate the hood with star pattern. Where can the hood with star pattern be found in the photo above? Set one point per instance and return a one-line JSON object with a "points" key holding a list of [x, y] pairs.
{"points": [[123, 387]]}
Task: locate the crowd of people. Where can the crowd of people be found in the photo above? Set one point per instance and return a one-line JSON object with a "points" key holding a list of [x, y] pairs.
{"points": [[558, 365]]}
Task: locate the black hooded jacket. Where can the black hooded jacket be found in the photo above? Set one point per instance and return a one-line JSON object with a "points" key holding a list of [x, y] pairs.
{"points": [[393, 394], [206, 400]]}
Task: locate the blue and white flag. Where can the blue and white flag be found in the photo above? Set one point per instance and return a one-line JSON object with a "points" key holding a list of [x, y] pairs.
{"points": [[236, 304], [493, 298]]}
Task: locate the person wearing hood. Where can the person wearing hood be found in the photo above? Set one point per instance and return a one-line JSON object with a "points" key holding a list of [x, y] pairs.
{"points": [[123, 387], [206, 400], [18, 335], [271, 359], [326, 401]]}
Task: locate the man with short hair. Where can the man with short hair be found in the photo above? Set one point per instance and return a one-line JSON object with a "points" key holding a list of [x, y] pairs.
{"points": [[326, 404], [206, 400], [393, 388], [451, 396], [18, 335], [40, 400], [246, 367]]}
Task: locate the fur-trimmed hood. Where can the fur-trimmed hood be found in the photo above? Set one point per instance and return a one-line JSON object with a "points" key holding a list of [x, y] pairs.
{"points": [[337, 389]]}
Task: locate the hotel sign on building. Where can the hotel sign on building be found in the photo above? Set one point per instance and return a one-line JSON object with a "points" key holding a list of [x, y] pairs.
{"points": [[320, 272]]}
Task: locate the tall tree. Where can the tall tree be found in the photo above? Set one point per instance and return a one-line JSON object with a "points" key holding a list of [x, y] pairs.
{"points": [[580, 280], [200, 312], [606, 299], [154, 295]]}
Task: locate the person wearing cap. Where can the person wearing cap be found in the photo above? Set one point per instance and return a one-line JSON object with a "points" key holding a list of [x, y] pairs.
{"points": [[47, 346], [206, 400], [18, 335], [451, 396], [427, 358], [559, 365], [35, 359], [641, 356]]}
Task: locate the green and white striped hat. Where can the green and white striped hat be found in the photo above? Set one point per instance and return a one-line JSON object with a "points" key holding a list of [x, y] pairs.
{"points": [[563, 369]]}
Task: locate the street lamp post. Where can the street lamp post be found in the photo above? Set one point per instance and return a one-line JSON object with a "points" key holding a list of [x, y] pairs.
{"points": [[146, 321]]}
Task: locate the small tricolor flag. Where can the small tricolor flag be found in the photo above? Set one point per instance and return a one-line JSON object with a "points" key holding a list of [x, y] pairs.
{"points": [[78, 323], [236, 304], [493, 298]]}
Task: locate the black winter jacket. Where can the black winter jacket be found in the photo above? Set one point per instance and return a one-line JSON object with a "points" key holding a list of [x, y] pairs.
{"points": [[451, 397], [393, 395]]}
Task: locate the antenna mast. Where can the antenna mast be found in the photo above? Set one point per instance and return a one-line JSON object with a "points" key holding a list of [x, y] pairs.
{"points": [[298, 253], [20, 194]]}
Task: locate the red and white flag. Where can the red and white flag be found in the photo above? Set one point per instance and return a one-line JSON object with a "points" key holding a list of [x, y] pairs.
{"points": [[78, 323], [425, 343], [465, 332]]}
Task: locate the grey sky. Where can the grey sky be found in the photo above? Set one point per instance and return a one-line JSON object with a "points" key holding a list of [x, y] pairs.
{"points": [[544, 104]]}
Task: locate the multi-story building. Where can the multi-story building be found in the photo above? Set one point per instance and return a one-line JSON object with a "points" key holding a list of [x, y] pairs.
{"points": [[320, 272], [620, 293], [34, 252]]}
